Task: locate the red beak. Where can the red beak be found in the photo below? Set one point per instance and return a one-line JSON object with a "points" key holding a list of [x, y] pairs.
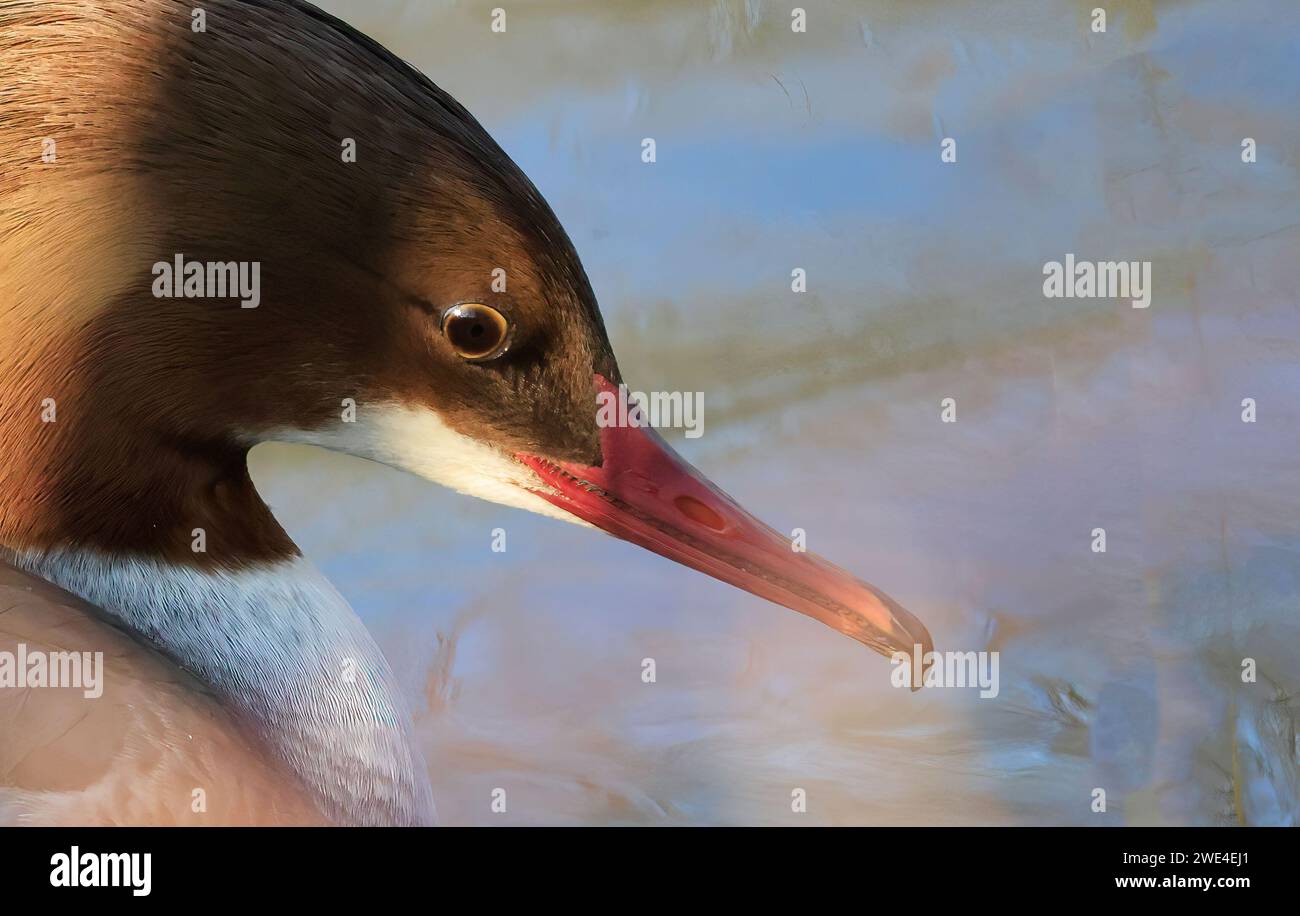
{"points": [[644, 492]]}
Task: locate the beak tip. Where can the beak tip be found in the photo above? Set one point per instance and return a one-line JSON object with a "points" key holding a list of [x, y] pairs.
{"points": [[910, 636]]}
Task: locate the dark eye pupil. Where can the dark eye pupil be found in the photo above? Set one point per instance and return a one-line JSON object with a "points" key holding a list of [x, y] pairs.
{"points": [[469, 334]]}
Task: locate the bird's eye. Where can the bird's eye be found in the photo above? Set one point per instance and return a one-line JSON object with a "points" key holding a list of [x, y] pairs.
{"points": [[475, 331]]}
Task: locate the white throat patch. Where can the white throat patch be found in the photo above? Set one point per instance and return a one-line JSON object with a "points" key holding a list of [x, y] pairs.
{"points": [[418, 441]]}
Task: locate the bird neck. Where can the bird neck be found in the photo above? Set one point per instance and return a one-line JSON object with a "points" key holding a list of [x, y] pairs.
{"points": [[279, 646]]}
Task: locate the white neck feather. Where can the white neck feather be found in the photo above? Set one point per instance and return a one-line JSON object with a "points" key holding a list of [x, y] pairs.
{"points": [[279, 645]]}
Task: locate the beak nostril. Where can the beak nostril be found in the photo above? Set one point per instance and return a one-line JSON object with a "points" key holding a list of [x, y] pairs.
{"points": [[697, 512]]}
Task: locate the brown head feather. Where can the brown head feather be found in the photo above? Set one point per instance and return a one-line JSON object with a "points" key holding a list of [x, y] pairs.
{"points": [[225, 146]]}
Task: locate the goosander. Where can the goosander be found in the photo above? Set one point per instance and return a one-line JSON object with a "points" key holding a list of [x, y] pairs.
{"points": [[418, 305]]}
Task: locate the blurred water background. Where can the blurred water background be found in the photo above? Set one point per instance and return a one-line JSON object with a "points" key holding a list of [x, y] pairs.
{"points": [[821, 150]]}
